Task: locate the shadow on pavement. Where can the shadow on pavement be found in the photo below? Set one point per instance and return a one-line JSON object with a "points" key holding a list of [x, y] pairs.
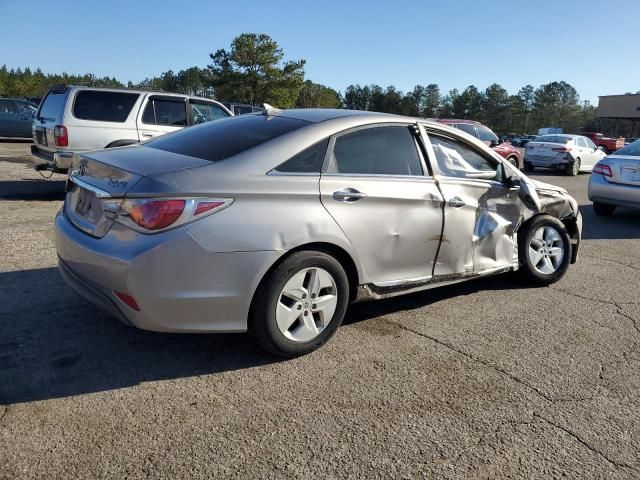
{"points": [[624, 224], [28, 189], [55, 344]]}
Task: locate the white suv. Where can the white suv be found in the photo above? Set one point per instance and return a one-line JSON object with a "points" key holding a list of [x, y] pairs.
{"points": [[76, 119]]}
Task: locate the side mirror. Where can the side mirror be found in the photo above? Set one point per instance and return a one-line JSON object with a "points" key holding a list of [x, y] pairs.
{"points": [[601, 148], [494, 143]]}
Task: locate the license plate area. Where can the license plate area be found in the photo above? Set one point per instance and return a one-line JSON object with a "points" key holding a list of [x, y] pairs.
{"points": [[85, 204], [41, 137]]}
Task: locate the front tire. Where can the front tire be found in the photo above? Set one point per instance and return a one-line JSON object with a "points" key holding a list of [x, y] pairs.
{"points": [[544, 250], [300, 304], [603, 209]]}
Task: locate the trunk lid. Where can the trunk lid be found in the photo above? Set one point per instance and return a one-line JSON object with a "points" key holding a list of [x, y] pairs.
{"points": [[544, 150], [624, 170], [98, 181]]}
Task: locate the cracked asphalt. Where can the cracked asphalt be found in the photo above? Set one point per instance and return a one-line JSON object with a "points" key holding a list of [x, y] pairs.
{"points": [[487, 379]]}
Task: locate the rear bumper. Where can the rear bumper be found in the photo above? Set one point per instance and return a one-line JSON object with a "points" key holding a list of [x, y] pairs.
{"points": [[179, 286], [551, 162], [603, 191], [59, 161]]}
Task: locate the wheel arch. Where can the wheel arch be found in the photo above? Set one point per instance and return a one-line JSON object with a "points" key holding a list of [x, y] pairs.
{"points": [[570, 223]]}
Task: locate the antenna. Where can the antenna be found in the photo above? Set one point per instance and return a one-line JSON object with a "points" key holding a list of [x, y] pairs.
{"points": [[269, 110]]}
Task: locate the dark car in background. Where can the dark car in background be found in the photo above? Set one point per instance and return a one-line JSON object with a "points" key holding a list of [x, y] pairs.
{"points": [[241, 108], [486, 135], [16, 117]]}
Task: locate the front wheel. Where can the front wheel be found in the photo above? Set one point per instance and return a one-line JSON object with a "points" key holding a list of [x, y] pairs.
{"points": [[544, 248], [300, 304]]}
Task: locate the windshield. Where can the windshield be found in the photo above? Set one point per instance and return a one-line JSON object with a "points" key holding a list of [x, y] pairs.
{"points": [[466, 127], [486, 135], [633, 149], [553, 139]]}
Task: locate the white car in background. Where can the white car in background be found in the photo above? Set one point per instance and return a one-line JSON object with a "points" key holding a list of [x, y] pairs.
{"points": [[616, 181], [571, 153]]}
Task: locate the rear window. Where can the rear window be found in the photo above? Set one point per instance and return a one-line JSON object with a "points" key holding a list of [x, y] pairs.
{"points": [[553, 139], [103, 106], [227, 137], [466, 127], [52, 105], [632, 149]]}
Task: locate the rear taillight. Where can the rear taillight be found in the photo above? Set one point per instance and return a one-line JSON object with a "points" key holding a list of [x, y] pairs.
{"points": [[60, 136], [128, 300], [151, 215], [561, 149], [603, 169]]}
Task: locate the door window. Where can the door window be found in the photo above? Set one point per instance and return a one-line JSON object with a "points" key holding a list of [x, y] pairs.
{"points": [[26, 108], [467, 127], [202, 112], [308, 161], [165, 112], [456, 159], [581, 142], [377, 151], [8, 106]]}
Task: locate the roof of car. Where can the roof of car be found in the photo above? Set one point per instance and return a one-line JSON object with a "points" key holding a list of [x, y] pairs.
{"points": [[568, 135], [456, 120], [139, 90]]}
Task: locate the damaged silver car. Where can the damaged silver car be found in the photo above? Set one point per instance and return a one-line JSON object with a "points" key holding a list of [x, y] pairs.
{"points": [[274, 222]]}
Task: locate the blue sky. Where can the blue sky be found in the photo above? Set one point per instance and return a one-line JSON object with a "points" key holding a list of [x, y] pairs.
{"points": [[593, 45]]}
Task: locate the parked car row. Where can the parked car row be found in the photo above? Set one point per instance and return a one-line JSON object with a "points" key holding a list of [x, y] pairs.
{"points": [[570, 153], [16, 117]]}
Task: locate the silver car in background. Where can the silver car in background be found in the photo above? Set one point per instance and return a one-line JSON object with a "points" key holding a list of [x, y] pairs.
{"points": [[571, 153], [616, 181], [275, 222]]}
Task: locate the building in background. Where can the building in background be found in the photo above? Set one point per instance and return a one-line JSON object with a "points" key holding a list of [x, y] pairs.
{"points": [[619, 115]]}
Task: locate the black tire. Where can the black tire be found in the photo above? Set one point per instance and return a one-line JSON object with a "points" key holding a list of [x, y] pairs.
{"points": [[528, 167], [262, 317], [603, 209], [527, 268], [572, 169], [514, 161]]}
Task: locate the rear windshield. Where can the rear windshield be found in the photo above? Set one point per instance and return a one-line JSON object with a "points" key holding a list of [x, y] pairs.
{"points": [[631, 149], [103, 106], [553, 139], [52, 105], [215, 141]]}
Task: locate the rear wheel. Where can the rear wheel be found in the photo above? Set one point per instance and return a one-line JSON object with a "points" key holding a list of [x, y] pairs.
{"points": [[573, 168], [300, 304], [544, 249], [528, 167], [603, 209]]}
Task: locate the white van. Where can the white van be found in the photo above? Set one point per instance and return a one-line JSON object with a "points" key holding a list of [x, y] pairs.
{"points": [[74, 119]]}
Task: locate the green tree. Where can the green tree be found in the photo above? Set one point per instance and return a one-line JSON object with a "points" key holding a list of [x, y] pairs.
{"points": [[495, 103], [314, 95], [253, 71], [431, 101]]}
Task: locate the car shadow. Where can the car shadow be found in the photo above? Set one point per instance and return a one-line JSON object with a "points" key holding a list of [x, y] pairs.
{"points": [[362, 311], [55, 344], [30, 189], [624, 224]]}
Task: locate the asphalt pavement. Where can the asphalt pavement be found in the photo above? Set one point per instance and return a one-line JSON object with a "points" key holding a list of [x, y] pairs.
{"points": [[486, 379]]}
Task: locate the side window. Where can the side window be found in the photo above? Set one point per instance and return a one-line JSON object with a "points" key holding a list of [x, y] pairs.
{"points": [[308, 161], [589, 143], [202, 112], [102, 106], [581, 142], [377, 151], [7, 106], [467, 127], [26, 108], [456, 159], [165, 112]]}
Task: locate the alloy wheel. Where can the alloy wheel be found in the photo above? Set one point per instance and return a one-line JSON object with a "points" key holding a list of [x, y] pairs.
{"points": [[546, 250], [306, 304]]}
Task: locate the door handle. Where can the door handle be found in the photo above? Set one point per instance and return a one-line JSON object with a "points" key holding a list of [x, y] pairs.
{"points": [[456, 202], [348, 195]]}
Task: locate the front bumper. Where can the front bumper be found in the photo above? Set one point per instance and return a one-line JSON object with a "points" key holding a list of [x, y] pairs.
{"points": [[59, 161], [600, 190], [179, 286]]}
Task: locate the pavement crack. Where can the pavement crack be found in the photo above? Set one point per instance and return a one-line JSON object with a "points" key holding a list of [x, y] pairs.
{"points": [[4, 413], [496, 368], [583, 442], [632, 267]]}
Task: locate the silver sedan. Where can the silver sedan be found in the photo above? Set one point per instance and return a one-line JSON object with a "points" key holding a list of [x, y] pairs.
{"points": [[274, 222], [616, 181]]}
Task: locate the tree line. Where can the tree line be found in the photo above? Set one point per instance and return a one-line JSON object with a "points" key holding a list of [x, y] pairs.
{"points": [[254, 70]]}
